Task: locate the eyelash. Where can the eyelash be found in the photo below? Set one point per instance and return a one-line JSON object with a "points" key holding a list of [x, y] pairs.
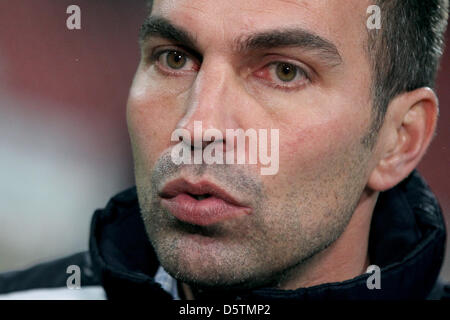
{"points": [[300, 71]]}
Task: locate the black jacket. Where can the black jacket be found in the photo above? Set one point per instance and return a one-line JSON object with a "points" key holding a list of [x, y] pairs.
{"points": [[407, 241]]}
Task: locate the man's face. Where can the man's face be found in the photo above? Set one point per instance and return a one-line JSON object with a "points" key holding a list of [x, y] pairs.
{"points": [[296, 66]]}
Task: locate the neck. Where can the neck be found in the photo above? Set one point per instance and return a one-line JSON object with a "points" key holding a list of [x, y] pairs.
{"points": [[344, 259]]}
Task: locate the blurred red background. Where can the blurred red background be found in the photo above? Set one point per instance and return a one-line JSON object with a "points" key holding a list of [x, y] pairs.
{"points": [[63, 137]]}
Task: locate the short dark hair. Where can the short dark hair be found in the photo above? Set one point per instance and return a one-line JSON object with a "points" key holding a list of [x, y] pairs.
{"points": [[405, 52]]}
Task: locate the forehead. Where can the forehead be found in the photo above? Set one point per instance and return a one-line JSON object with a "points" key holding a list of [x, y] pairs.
{"points": [[218, 23]]}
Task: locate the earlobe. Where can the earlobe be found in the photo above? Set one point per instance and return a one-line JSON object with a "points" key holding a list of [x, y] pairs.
{"points": [[404, 138]]}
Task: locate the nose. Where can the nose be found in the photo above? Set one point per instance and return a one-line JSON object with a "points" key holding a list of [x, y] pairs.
{"points": [[211, 102]]}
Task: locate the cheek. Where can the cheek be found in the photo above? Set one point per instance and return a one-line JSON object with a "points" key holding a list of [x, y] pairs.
{"points": [[151, 118], [321, 171], [314, 149]]}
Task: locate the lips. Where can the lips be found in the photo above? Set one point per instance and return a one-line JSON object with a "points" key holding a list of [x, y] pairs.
{"points": [[202, 203]]}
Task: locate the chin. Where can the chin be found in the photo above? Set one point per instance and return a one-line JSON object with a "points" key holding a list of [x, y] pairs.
{"points": [[220, 276]]}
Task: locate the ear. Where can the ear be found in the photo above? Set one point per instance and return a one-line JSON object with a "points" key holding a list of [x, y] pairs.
{"points": [[409, 126]]}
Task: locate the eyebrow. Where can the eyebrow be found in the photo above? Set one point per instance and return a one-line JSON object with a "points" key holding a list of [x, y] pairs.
{"points": [[161, 27], [292, 37]]}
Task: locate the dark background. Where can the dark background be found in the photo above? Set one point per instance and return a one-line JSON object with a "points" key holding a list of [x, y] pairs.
{"points": [[64, 148]]}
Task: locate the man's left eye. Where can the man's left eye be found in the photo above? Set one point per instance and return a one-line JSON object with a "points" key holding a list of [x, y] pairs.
{"points": [[283, 75], [286, 72]]}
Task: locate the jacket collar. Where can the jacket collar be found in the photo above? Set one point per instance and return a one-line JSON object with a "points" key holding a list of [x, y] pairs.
{"points": [[407, 241]]}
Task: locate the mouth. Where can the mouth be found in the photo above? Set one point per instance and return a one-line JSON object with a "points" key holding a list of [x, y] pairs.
{"points": [[202, 203]]}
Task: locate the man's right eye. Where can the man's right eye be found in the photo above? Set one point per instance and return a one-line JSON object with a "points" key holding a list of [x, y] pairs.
{"points": [[174, 60]]}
